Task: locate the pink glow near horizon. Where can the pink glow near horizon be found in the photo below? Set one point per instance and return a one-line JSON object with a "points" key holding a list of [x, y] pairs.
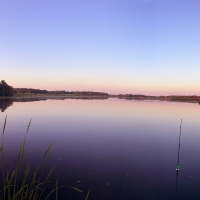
{"points": [[119, 47], [111, 89]]}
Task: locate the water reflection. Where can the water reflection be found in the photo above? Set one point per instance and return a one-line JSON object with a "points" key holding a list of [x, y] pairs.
{"points": [[120, 149], [5, 103]]}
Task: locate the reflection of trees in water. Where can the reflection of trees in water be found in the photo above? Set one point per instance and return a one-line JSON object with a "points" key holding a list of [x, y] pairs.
{"points": [[5, 103]]}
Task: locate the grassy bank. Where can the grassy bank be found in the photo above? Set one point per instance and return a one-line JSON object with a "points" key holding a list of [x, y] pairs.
{"points": [[21, 181], [173, 98]]}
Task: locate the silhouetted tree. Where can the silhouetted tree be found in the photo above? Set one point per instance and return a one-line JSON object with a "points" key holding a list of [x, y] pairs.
{"points": [[5, 89]]}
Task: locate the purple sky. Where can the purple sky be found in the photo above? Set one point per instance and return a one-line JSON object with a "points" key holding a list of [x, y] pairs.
{"points": [[114, 46]]}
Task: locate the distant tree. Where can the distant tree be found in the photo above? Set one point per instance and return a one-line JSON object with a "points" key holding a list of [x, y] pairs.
{"points": [[5, 89]]}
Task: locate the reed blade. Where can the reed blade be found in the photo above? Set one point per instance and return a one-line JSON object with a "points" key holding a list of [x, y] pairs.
{"points": [[57, 189], [49, 148], [75, 188], [86, 198], [4, 126], [28, 126]]}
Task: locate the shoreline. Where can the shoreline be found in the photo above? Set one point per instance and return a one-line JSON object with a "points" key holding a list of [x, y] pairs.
{"points": [[189, 99]]}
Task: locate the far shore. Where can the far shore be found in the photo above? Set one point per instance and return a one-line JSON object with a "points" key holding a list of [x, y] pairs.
{"points": [[49, 96], [174, 98]]}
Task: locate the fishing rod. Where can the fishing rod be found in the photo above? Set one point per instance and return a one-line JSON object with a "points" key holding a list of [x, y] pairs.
{"points": [[177, 166]]}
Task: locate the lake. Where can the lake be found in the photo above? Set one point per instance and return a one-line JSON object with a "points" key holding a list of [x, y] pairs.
{"points": [[119, 149]]}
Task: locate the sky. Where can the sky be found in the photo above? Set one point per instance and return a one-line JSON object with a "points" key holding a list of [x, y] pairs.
{"points": [[146, 47]]}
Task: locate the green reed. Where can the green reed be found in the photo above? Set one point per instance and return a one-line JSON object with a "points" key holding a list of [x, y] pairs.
{"points": [[20, 182]]}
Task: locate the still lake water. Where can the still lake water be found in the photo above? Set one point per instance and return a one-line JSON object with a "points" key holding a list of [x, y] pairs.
{"points": [[120, 149]]}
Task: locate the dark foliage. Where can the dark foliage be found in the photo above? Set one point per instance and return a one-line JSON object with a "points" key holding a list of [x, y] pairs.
{"points": [[5, 89], [38, 91]]}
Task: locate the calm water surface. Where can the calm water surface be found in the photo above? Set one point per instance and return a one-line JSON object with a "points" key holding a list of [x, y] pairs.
{"points": [[120, 149]]}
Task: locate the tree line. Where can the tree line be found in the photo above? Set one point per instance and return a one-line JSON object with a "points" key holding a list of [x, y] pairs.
{"points": [[38, 91], [5, 89]]}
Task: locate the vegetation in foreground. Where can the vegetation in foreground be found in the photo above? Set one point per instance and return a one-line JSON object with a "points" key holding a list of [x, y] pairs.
{"points": [[20, 182]]}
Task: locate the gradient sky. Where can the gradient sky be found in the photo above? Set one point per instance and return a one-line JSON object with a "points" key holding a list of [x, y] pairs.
{"points": [[149, 47]]}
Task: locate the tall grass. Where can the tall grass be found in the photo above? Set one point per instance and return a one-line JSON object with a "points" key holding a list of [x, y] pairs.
{"points": [[21, 182]]}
